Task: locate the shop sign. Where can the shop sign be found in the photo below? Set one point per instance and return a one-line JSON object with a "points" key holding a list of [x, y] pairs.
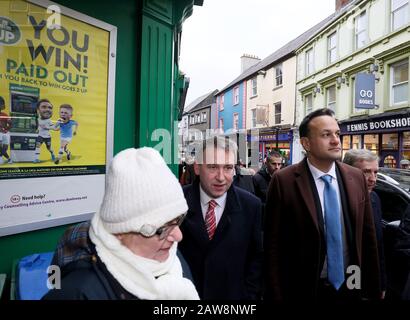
{"points": [[364, 91], [396, 122]]}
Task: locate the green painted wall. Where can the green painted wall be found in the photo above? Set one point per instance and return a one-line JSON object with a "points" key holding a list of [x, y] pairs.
{"points": [[144, 88], [125, 15]]}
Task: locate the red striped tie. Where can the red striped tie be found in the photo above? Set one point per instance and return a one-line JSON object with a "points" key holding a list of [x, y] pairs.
{"points": [[210, 220]]}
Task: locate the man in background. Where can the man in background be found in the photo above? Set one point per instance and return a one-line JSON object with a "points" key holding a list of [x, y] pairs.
{"points": [[368, 162], [261, 179]]}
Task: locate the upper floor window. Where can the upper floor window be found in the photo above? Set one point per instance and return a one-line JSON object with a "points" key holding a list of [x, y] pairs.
{"points": [[253, 119], [309, 103], [221, 123], [204, 116], [331, 98], [254, 87], [399, 89], [331, 48], [236, 121], [309, 61], [235, 95], [278, 113], [198, 118], [278, 75], [192, 119], [221, 102], [399, 13], [361, 30]]}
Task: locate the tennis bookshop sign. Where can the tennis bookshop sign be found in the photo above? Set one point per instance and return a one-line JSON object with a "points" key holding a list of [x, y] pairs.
{"points": [[364, 91]]}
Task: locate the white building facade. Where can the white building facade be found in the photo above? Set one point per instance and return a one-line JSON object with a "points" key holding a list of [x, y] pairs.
{"points": [[370, 37]]}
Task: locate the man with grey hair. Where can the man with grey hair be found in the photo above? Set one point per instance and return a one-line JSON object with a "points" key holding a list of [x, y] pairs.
{"points": [[222, 231], [367, 161]]}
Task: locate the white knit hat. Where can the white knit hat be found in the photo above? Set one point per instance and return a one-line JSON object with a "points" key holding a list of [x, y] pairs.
{"points": [[140, 189]]}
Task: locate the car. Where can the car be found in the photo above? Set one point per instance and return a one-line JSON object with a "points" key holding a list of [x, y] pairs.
{"points": [[401, 176], [394, 200]]}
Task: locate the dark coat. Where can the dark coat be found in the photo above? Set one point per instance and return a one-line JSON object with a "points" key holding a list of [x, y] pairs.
{"points": [[261, 183], [377, 215], [295, 246], [229, 265], [243, 181], [88, 279], [402, 248], [83, 275]]}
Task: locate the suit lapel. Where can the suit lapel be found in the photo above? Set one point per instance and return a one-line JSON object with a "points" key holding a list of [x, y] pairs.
{"points": [[303, 182], [347, 193], [349, 188]]}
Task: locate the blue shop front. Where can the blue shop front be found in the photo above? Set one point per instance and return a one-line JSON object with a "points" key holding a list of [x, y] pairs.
{"points": [[275, 139]]}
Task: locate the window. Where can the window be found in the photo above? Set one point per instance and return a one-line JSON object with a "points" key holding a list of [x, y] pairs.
{"points": [[235, 95], [192, 120], [308, 103], [331, 48], [278, 77], [254, 87], [221, 123], [390, 141], [278, 113], [399, 13], [236, 121], [399, 82], [309, 61], [345, 144], [253, 120], [221, 102], [198, 118], [331, 98], [406, 145], [371, 142], [204, 116], [361, 30], [356, 142]]}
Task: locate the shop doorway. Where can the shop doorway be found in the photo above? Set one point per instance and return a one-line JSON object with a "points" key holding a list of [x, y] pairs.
{"points": [[389, 159]]}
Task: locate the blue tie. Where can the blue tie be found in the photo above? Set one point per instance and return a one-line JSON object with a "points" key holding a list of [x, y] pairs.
{"points": [[335, 272]]}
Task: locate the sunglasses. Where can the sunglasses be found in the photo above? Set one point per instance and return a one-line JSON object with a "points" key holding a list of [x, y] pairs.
{"points": [[148, 230]]}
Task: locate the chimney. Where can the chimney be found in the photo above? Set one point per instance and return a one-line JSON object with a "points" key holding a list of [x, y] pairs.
{"points": [[341, 3], [248, 60]]}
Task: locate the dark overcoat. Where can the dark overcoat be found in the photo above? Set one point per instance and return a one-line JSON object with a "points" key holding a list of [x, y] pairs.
{"points": [[294, 243], [228, 266]]}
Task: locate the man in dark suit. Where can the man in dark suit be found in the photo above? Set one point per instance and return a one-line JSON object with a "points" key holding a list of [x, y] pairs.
{"points": [[320, 241], [222, 230], [368, 162]]}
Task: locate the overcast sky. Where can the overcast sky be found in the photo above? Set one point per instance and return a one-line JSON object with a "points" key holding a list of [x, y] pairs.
{"points": [[219, 32]]}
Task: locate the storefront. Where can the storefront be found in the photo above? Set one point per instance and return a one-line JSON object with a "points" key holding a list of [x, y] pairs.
{"points": [[388, 136], [269, 140]]}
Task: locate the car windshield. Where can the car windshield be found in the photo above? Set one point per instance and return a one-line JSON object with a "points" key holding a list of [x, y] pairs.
{"points": [[402, 176]]}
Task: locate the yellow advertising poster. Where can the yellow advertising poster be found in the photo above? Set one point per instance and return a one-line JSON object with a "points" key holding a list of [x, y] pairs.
{"points": [[53, 89], [57, 68]]}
